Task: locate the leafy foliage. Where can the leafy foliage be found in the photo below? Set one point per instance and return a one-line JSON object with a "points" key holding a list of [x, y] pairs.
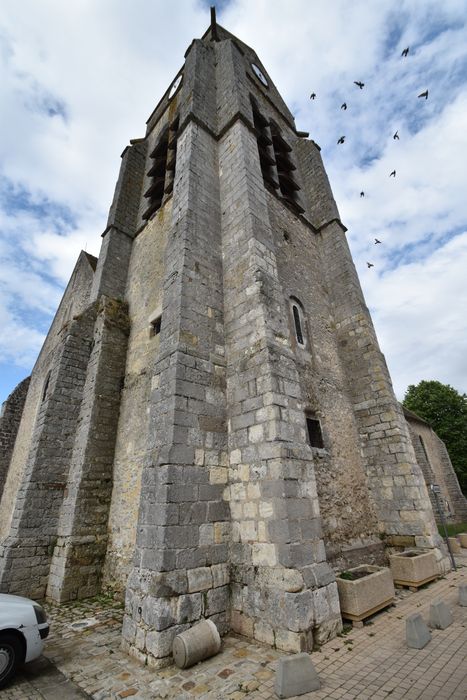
{"points": [[446, 411]]}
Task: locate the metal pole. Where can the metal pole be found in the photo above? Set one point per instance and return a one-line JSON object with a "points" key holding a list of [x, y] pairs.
{"points": [[443, 523]]}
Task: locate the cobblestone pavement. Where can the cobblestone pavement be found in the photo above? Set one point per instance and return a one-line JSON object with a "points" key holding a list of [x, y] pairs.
{"points": [[371, 662]]}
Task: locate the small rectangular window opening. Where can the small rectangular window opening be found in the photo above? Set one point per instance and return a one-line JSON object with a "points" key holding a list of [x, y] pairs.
{"points": [[156, 326], [315, 435]]}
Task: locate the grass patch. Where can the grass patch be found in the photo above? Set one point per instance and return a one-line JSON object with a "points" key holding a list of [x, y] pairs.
{"points": [[453, 529]]}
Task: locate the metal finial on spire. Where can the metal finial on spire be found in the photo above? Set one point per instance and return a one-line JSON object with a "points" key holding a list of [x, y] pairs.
{"points": [[214, 24]]}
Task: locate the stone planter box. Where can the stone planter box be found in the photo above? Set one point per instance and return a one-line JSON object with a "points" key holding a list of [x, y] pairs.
{"points": [[413, 568], [365, 595], [463, 539]]}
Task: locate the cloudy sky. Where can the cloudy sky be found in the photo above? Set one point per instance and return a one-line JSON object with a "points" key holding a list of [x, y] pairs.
{"points": [[78, 79]]}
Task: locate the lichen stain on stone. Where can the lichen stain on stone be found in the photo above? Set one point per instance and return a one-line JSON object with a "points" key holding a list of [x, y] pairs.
{"points": [[115, 314]]}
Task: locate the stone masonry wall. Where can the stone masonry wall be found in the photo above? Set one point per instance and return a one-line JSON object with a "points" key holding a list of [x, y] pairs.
{"points": [[78, 558], [26, 552], [436, 466], [350, 526], [180, 571], [10, 417], [112, 267], [74, 301], [394, 478], [283, 592], [144, 298]]}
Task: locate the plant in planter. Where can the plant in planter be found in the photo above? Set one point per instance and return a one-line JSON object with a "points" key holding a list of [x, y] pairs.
{"points": [[413, 568], [363, 590]]}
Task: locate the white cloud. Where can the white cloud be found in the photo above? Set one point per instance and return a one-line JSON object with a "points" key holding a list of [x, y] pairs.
{"points": [[420, 317], [79, 80]]}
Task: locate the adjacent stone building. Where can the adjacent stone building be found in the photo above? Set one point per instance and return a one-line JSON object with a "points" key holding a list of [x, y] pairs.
{"points": [[433, 458], [210, 429]]}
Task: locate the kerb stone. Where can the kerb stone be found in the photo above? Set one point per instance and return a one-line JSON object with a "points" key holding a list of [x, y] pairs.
{"points": [[463, 594], [296, 675], [417, 633], [440, 615]]}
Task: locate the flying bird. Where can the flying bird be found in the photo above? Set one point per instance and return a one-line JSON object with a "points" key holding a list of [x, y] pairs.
{"points": [[313, 95], [362, 194], [424, 94], [342, 139], [370, 264], [376, 241], [344, 106], [393, 174], [405, 52], [359, 84], [396, 136]]}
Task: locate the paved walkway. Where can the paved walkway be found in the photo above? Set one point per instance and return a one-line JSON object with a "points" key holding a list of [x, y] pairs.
{"points": [[371, 662]]}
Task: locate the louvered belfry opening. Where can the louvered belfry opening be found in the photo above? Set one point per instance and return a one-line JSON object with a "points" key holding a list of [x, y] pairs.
{"points": [[162, 171], [285, 168], [265, 149], [274, 155]]}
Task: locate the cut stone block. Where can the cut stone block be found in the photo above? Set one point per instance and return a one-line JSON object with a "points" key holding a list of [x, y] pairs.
{"points": [[417, 633], [413, 567], [440, 615], [362, 597], [463, 539], [296, 675], [454, 544], [198, 643], [463, 594]]}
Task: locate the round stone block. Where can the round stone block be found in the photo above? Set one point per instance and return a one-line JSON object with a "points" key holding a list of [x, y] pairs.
{"points": [[198, 643]]}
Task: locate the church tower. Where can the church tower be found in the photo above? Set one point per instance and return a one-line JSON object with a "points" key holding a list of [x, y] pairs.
{"points": [[211, 428]]}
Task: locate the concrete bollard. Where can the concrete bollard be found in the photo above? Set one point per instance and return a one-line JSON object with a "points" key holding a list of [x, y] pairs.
{"points": [[440, 615], [196, 644], [296, 675], [463, 594], [463, 539], [454, 544], [417, 633]]}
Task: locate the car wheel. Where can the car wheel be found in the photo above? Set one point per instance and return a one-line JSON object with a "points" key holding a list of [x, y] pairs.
{"points": [[11, 654]]}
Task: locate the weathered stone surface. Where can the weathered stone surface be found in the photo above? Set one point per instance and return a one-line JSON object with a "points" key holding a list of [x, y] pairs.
{"points": [[463, 594]]}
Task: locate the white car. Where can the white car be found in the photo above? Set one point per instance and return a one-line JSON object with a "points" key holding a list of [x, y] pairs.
{"points": [[23, 628]]}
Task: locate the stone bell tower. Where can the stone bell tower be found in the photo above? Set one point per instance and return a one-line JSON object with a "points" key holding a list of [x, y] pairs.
{"points": [[234, 437], [277, 448]]}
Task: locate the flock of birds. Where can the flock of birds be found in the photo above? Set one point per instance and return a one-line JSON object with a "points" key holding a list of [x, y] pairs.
{"points": [[341, 139]]}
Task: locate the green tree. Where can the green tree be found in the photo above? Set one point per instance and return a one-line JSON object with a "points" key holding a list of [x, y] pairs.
{"points": [[446, 411]]}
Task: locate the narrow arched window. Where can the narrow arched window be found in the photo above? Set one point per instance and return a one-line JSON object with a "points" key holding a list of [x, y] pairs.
{"points": [[45, 390], [298, 324], [298, 321]]}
